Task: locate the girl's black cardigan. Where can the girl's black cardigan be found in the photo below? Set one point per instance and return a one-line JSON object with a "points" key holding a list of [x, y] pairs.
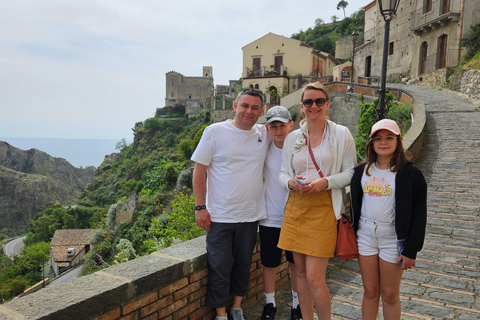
{"points": [[410, 205]]}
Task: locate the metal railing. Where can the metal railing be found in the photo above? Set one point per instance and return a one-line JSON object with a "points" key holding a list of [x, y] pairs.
{"points": [[439, 60], [434, 10], [324, 79], [265, 72]]}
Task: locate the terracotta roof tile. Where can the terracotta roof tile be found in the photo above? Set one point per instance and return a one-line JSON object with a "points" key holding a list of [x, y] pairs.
{"points": [[69, 238]]}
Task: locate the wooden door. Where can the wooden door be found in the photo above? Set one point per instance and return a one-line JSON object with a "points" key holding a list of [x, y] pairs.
{"points": [[423, 58], [445, 6], [368, 66], [278, 63], [442, 51]]}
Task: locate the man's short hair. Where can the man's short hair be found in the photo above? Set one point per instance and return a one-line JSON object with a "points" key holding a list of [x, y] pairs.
{"points": [[251, 92]]}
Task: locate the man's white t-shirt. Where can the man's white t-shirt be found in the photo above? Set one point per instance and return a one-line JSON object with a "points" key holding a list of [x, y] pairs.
{"points": [[378, 195], [235, 160], [275, 194]]}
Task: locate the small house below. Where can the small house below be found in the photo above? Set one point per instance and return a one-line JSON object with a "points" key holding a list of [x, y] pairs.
{"points": [[68, 248]]}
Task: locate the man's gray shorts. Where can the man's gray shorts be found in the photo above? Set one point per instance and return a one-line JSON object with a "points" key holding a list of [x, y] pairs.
{"points": [[229, 251]]}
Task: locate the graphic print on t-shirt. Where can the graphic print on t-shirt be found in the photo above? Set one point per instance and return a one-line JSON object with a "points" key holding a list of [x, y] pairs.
{"points": [[376, 187]]}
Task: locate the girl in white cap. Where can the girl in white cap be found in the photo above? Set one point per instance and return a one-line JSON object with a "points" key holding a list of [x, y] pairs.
{"points": [[389, 209]]}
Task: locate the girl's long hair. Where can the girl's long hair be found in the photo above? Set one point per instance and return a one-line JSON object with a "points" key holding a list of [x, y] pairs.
{"points": [[397, 161]]}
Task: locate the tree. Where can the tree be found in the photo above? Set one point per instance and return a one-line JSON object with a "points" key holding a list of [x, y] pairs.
{"points": [[342, 4], [122, 144], [334, 18], [319, 22]]}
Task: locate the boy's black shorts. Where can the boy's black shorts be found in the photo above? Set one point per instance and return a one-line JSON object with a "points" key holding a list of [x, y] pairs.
{"points": [[270, 254]]}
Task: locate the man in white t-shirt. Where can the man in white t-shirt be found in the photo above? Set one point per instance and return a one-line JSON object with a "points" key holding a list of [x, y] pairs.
{"points": [[229, 162]]}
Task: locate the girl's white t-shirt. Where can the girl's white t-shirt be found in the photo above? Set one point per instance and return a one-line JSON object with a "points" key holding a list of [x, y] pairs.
{"points": [[378, 195]]}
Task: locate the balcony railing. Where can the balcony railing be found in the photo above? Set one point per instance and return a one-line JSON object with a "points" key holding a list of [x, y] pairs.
{"points": [[439, 60], [435, 14], [266, 72]]}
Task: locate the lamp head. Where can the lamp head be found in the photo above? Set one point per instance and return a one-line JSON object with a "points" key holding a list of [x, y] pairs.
{"points": [[354, 35], [388, 8]]}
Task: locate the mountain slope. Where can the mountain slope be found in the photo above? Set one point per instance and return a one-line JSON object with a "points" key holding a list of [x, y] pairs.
{"points": [[31, 180]]}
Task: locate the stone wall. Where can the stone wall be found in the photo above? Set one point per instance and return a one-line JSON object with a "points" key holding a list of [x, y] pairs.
{"points": [[433, 79], [222, 115], [471, 83]]}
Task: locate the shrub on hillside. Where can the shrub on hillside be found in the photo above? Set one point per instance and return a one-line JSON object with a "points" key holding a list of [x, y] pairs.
{"points": [[395, 110]]}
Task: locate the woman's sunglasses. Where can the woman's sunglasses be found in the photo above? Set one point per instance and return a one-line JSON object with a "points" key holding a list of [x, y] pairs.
{"points": [[319, 102]]}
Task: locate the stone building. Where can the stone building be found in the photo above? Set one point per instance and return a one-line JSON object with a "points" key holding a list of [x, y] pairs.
{"points": [[194, 92], [68, 248], [424, 39], [278, 65]]}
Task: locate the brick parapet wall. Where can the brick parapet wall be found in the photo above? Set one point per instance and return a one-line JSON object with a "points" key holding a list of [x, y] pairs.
{"points": [[168, 284]]}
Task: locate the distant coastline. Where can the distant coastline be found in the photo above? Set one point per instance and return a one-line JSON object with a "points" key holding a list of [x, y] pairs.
{"points": [[79, 152]]}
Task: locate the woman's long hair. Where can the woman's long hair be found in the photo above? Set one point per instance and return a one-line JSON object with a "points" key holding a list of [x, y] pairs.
{"points": [[397, 161]]}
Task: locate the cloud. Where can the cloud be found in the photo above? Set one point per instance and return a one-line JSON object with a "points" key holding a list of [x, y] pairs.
{"points": [[91, 69]]}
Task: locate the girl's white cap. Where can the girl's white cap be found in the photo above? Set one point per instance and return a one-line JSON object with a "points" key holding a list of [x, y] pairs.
{"points": [[385, 124]]}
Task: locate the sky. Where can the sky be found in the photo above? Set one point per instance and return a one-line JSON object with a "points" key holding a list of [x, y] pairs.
{"points": [[91, 69]]}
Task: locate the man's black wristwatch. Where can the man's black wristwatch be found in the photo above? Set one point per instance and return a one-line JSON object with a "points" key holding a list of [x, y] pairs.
{"points": [[198, 208]]}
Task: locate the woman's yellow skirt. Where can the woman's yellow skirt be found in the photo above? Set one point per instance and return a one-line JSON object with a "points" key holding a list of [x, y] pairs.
{"points": [[309, 225]]}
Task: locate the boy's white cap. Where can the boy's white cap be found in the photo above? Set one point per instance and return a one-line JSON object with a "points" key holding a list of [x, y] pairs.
{"points": [[385, 124], [278, 113]]}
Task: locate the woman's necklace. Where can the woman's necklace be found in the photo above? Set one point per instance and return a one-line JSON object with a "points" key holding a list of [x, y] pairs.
{"points": [[324, 134], [320, 137], [313, 141]]}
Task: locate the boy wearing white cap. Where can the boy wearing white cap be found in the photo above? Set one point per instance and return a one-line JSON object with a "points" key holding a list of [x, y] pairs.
{"points": [[279, 124]]}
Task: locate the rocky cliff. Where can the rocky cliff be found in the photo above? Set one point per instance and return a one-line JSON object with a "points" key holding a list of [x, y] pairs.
{"points": [[31, 180]]}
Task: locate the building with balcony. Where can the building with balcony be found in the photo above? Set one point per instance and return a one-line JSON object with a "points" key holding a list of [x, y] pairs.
{"points": [[279, 65], [424, 39]]}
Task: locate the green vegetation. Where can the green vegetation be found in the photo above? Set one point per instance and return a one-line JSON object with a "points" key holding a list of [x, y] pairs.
{"points": [[156, 168], [472, 43], [323, 35], [471, 59], [398, 111], [23, 271]]}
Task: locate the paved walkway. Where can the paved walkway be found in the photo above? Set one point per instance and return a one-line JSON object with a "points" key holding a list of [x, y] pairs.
{"points": [[446, 281]]}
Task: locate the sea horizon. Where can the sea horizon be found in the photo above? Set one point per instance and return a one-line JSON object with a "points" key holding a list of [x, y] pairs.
{"points": [[80, 153]]}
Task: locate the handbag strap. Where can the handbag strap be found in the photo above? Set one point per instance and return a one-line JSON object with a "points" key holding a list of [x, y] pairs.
{"points": [[315, 163]]}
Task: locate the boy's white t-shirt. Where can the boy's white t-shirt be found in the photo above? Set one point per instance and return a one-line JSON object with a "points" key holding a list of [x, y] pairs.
{"points": [[275, 194], [378, 195], [235, 160]]}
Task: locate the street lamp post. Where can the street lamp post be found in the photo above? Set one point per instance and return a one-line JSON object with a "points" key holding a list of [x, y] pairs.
{"points": [[354, 39], [388, 8]]}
